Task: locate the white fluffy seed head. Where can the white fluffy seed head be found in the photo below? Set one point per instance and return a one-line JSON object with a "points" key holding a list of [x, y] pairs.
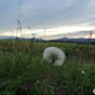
{"points": [[54, 55]]}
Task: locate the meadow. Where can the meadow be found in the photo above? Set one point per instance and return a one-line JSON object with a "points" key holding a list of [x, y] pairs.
{"points": [[24, 72]]}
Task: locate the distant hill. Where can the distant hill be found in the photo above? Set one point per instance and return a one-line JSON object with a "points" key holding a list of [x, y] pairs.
{"points": [[7, 37], [21, 38], [75, 40]]}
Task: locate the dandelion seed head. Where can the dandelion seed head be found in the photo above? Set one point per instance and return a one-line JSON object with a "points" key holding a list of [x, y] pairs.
{"points": [[54, 55]]}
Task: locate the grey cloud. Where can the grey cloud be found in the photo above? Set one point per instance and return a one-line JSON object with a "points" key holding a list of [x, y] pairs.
{"points": [[43, 13], [48, 13], [78, 33]]}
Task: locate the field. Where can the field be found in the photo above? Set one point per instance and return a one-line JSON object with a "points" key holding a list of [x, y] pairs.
{"points": [[24, 72]]}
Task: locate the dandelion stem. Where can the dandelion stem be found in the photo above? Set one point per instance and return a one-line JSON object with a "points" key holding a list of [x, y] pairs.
{"points": [[48, 79]]}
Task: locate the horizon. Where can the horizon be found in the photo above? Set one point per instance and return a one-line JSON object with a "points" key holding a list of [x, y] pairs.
{"points": [[46, 34]]}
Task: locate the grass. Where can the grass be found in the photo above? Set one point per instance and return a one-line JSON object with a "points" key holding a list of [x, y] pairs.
{"points": [[24, 72]]}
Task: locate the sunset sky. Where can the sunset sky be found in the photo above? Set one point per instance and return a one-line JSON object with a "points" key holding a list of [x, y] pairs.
{"points": [[49, 16]]}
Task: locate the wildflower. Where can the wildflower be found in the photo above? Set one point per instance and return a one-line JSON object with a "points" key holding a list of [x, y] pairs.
{"points": [[54, 55], [94, 91]]}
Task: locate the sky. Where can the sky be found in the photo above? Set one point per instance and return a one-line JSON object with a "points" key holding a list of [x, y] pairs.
{"points": [[52, 16]]}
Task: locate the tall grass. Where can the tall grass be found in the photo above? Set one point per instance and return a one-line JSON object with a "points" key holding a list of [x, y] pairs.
{"points": [[23, 70]]}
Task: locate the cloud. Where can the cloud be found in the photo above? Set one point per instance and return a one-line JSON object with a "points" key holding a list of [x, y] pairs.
{"points": [[42, 12], [50, 13], [8, 14], [46, 13]]}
